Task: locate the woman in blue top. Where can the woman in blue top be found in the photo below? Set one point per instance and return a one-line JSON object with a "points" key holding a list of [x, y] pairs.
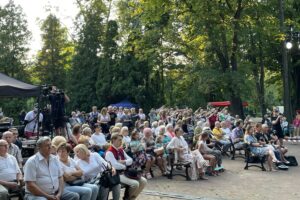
{"points": [[257, 149]]}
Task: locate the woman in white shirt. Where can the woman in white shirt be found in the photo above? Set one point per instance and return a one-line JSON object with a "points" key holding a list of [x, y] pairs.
{"points": [[142, 116], [73, 172], [225, 128], [98, 137], [181, 151], [126, 137], [93, 164]]}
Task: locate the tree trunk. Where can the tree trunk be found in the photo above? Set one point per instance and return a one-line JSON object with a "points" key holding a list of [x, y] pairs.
{"points": [[236, 101], [286, 86], [295, 83], [258, 72], [261, 93]]}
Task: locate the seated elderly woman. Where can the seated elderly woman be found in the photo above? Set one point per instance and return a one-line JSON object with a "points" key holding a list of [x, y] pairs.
{"points": [[149, 142], [126, 138], [56, 141], [154, 126], [258, 149], [169, 131], [73, 174], [139, 155], [162, 153], [225, 126], [87, 131], [265, 138], [162, 140], [220, 137], [98, 137], [197, 134], [210, 147], [181, 152], [86, 141], [207, 152], [92, 165]]}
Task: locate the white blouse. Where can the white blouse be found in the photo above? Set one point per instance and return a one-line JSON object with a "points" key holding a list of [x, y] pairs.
{"points": [[99, 139], [68, 168], [92, 168], [126, 139], [179, 143]]}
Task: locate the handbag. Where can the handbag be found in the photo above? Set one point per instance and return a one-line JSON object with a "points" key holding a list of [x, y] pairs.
{"points": [[159, 151], [292, 160], [108, 180], [132, 174], [77, 182]]}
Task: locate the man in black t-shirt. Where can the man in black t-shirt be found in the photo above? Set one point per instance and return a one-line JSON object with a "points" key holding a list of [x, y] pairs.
{"points": [[57, 100]]}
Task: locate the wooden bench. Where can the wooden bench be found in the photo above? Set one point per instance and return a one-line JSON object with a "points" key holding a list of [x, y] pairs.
{"points": [[185, 165], [253, 160], [234, 150]]}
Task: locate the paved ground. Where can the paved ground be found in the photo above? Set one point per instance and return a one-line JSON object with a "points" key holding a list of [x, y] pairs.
{"points": [[234, 184]]}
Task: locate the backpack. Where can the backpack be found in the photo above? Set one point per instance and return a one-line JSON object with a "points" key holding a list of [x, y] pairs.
{"points": [[292, 160]]}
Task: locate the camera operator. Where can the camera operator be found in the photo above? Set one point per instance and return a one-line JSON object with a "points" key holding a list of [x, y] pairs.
{"points": [[31, 122], [276, 122], [57, 100], [47, 120]]}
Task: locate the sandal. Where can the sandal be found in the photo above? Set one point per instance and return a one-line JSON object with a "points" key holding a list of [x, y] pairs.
{"points": [[166, 173], [276, 161], [203, 178], [215, 173], [273, 170], [286, 162], [148, 176]]}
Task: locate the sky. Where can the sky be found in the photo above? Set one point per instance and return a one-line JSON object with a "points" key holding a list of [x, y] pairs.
{"points": [[35, 11]]}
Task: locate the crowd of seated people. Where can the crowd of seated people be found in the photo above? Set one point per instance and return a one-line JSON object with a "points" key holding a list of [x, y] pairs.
{"points": [[125, 142]]}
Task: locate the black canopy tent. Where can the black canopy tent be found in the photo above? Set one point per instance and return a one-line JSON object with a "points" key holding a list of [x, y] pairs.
{"points": [[10, 87]]}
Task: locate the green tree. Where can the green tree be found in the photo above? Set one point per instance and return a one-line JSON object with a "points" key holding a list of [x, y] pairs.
{"points": [[108, 66], [14, 37], [53, 59], [143, 33], [86, 61], [293, 19]]}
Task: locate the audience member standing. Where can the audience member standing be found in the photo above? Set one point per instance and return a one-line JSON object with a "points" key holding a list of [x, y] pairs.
{"points": [[31, 121]]}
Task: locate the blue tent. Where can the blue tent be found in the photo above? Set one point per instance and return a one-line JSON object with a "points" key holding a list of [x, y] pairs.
{"points": [[125, 104]]}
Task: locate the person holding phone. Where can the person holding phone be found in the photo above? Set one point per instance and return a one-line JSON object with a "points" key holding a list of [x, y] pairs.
{"points": [[276, 122]]}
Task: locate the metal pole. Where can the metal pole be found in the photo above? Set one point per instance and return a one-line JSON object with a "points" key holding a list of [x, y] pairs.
{"points": [[286, 87], [38, 117]]}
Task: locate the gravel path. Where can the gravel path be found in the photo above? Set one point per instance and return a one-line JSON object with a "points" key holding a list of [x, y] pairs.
{"points": [[234, 184]]}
